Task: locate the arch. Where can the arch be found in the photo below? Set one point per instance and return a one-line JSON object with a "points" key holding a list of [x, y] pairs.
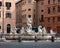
{"points": [[8, 28]]}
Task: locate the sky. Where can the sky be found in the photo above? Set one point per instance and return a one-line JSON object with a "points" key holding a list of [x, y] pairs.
{"points": [[16, 0]]}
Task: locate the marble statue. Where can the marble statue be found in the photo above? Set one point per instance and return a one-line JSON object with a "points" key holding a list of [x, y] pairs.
{"points": [[44, 30], [22, 31], [15, 30], [52, 32], [29, 26], [40, 30]]}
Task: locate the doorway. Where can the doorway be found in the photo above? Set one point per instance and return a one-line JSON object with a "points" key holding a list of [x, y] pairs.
{"points": [[8, 28]]}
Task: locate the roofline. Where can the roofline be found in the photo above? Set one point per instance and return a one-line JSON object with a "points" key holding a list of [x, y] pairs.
{"points": [[18, 2]]}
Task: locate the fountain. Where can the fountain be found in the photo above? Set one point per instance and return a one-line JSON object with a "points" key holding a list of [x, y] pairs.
{"points": [[13, 31], [28, 30], [44, 31], [29, 26], [40, 30], [22, 31], [52, 32]]}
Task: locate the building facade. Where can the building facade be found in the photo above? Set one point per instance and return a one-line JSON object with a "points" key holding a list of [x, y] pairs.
{"points": [[40, 12], [27, 10], [7, 16], [43, 12], [18, 14], [52, 15]]}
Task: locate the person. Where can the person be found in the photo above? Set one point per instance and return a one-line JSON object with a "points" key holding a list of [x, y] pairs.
{"points": [[19, 39], [35, 39], [52, 38]]}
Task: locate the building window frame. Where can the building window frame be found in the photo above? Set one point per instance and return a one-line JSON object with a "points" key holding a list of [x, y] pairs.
{"points": [[8, 5], [29, 16], [54, 9], [42, 10], [42, 18], [53, 19], [48, 10], [29, 1], [42, 3], [0, 4], [8, 15], [29, 9], [48, 19], [0, 14], [58, 19], [58, 0], [0, 27], [58, 8], [48, 1], [53, 1]]}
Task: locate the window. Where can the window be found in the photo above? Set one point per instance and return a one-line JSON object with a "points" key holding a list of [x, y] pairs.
{"points": [[8, 15], [42, 18], [8, 28], [34, 10], [48, 19], [58, 18], [48, 10], [54, 9], [29, 1], [29, 16], [34, 15], [29, 9], [48, 1], [42, 10], [23, 3], [58, 0], [8, 5], [0, 27], [0, 4], [48, 29], [0, 14], [58, 8], [42, 3], [53, 1], [53, 19]]}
